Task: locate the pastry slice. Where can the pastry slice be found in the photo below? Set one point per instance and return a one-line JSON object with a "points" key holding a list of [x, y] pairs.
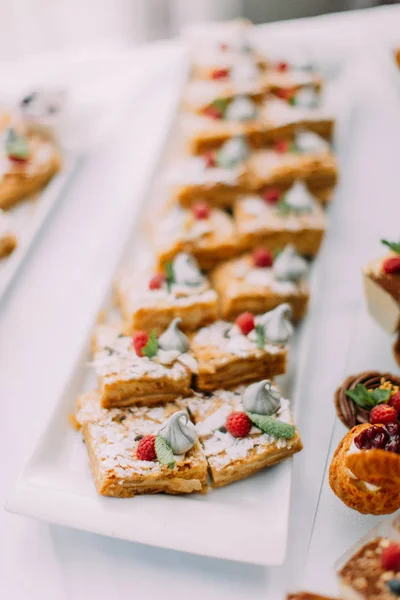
{"points": [[141, 450], [8, 241], [244, 430], [143, 370], [365, 469], [262, 124], [277, 219], [217, 177], [249, 350], [150, 301], [382, 288], [208, 234], [27, 163], [371, 572], [309, 159], [258, 283]]}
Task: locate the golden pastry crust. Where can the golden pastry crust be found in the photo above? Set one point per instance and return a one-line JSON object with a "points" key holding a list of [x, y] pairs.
{"points": [[111, 442], [8, 243], [209, 240], [25, 180], [232, 459], [353, 490], [141, 313], [237, 295], [219, 368], [259, 224]]}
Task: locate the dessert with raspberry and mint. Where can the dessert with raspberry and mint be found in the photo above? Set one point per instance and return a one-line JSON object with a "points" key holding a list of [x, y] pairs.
{"points": [[143, 369], [382, 287], [276, 218], [142, 449], [244, 430], [369, 397], [206, 233], [249, 349], [262, 280], [150, 299]]}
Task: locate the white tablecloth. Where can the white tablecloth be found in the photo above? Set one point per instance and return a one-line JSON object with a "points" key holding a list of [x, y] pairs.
{"points": [[66, 273]]}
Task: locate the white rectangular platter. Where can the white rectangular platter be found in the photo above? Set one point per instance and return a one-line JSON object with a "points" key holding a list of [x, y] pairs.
{"points": [[247, 521], [29, 217]]}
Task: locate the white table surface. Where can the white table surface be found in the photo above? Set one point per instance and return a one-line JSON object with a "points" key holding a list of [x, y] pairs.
{"points": [[56, 291]]}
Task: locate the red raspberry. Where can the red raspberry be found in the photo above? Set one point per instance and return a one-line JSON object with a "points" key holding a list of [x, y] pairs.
{"points": [[282, 146], [395, 402], [245, 322], [282, 67], [383, 414], [156, 281], [238, 424], [390, 557], [201, 210], [285, 93], [140, 339], [272, 195], [262, 258], [391, 265], [213, 112], [146, 449], [209, 159], [17, 159], [219, 73]]}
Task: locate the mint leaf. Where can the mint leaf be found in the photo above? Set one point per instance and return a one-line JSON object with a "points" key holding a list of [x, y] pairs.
{"points": [[221, 105], [277, 252], [260, 335], [272, 426], [17, 145], [362, 397], [380, 396], [283, 207], [169, 275], [164, 453], [392, 245], [151, 348]]}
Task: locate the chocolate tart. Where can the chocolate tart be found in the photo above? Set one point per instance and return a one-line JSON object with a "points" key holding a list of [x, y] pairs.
{"points": [[348, 412]]}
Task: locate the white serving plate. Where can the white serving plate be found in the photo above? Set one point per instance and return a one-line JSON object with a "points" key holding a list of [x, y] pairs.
{"points": [[246, 521], [27, 219]]}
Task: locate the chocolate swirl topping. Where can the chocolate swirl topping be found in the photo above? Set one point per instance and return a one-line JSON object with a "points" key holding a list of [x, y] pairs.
{"points": [[348, 412]]}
